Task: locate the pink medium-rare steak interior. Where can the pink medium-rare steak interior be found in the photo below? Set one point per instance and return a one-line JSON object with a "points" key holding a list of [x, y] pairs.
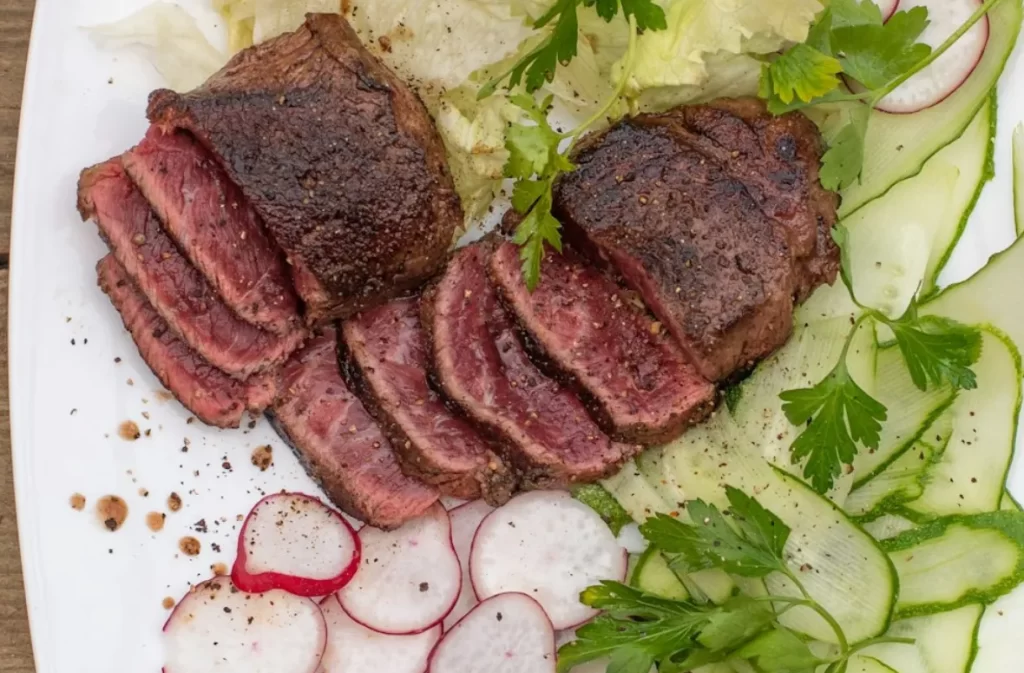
{"points": [[175, 288], [389, 354], [213, 396], [635, 375], [340, 444], [543, 428], [206, 214]]}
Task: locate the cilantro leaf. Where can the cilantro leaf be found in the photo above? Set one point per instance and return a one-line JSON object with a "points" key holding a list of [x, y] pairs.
{"points": [[537, 228], [839, 414], [803, 73], [780, 651], [756, 523], [937, 350], [842, 162], [597, 498], [876, 54], [533, 148], [853, 13], [649, 15], [738, 620]]}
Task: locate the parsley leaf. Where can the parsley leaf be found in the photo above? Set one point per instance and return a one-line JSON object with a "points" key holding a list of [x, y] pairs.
{"points": [[839, 414], [874, 54], [841, 164], [539, 227], [803, 72], [780, 651], [937, 350]]}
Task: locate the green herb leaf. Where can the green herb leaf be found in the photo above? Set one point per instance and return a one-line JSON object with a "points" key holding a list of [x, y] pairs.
{"points": [[780, 651], [736, 622], [842, 162], [597, 498], [803, 73], [757, 524], [876, 54], [538, 228], [840, 414], [937, 350]]}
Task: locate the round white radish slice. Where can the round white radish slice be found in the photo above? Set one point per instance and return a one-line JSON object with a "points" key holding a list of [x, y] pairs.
{"points": [[294, 542], [217, 628], [508, 633], [353, 648], [945, 75], [465, 520], [550, 547], [409, 578]]}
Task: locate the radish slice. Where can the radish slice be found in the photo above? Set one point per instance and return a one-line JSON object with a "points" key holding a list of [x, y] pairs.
{"points": [[353, 648], [550, 547], [409, 578], [465, 520], [945, 75], [505, 634], [888, 7], [217, 628], [294, 542]]}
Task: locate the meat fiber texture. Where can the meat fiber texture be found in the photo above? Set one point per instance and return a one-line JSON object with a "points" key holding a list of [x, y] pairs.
{"points": [[388, 359], [719, 231], [337, 156], [635, 377], [340, 444], [543, 428]]}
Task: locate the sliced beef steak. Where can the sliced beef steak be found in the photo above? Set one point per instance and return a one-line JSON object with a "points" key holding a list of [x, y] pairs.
{"points": [[389, 356], [688, 236], [339, 158], [339, 443], [543, 428], [216, 229], [175, 288], [637, 378], [210, 394]]}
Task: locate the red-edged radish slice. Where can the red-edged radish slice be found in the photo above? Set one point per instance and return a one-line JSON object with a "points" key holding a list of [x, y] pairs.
{"points": [[465, 520], [508, 633], [353, 648], [409, 578], [550, 547], [217, 628], [294, 542], [945, 75]]}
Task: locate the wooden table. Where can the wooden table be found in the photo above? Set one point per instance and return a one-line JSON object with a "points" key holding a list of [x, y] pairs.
{"points": [[15, 645]]}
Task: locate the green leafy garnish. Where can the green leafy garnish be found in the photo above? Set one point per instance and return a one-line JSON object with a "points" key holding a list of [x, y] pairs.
{"points": [[780, 651], [937, 350], [601, 501], [850, 39]]}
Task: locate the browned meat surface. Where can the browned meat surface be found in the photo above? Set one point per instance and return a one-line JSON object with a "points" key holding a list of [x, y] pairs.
{"points": [[543, 429], [636, 378], [175, 288], [216, 229], [688, 236], [337, 156], [389, 356], [339, 443], [207, 392]]}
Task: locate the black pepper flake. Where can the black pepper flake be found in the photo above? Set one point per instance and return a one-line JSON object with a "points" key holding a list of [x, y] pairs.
{"points": [[499, 617], [72, 342], [117, 361], [215, 547], [249, 621], [227, 609], [424, 586], [199, 526]]}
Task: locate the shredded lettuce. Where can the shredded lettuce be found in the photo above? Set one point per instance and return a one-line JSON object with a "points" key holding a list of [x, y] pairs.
{"points": [[696, 29], [169, 38], [253, 21]]}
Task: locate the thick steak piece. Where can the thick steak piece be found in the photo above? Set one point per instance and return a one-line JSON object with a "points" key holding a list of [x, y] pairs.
{"points": [[543, 428], [778, 158], [636, 378], [338, 157], [688, 236], [175, 288], [388, 355], [210, 394], [339, 443], [216, 229]]}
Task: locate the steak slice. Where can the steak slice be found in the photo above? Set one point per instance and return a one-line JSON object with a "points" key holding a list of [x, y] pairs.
{"points": [[175, 288], [778, 159], [544, 430], [338, 442], [688, 236], [338, 157], [216, 229], [210, 394], [389, 354], [638, 381]]}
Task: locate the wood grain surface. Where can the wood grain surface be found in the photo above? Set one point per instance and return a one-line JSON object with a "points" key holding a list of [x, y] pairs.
{"points": [[15, 644]]}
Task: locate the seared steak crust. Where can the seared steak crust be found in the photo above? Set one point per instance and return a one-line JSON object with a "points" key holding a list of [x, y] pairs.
{"points": [[337, 156]]}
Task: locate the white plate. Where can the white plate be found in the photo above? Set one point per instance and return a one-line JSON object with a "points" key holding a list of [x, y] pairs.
{"points": [[94, 597]]}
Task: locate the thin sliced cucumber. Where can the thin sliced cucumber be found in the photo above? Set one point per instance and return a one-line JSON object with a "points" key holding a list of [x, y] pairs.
{"points": [[901, 482], [1018, 178], [944, 642], [899, 243], [888, 526], [971, 474], [713, 583], [844, 568], [636, 495], [999, 649], [653, 575], [1009, 503], [957, 560], [863, 664], [897, 146]]}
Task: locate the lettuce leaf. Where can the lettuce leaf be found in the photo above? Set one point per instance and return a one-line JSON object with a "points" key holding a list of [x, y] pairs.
{"points": [[253, 21]]}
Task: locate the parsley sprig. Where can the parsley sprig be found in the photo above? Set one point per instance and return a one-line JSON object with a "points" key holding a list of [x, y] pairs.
{"points": [[837, 414], [638, 630], [537, 155], [849, 39]]}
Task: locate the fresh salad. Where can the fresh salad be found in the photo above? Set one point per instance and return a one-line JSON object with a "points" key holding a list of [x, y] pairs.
{"points": [[844, 511]]}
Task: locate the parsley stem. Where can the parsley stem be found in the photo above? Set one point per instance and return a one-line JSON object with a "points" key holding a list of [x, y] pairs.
{"points": [[808, 602], [935, 53]]}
